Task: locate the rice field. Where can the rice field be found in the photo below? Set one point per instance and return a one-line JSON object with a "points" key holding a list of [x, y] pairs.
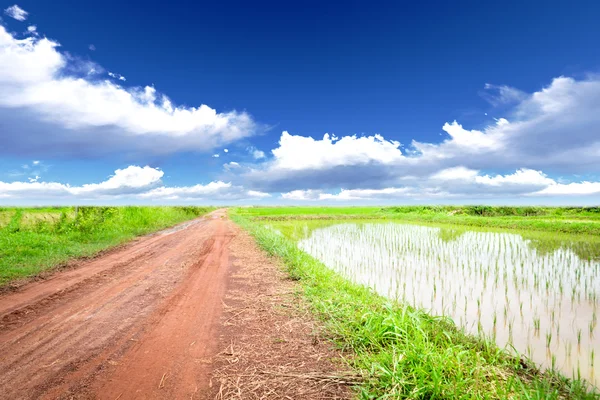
{"points": [[540, 302]]}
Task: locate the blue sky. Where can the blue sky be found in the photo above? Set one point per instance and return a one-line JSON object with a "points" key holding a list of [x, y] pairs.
{"points": [[476, 102]]}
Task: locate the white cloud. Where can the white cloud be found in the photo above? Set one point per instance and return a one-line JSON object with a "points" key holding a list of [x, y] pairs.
{"points": [[257, 194], [457, 183], [570, 189], [215, 155], [302, 195], [127, 180], [257, 154], [553, 129], [92, 47], [41, 89], [522, 176], [130, 180], [454, 173], [473, 139], [16, 12], [133, 184], [231, 165], [196, 191], [502, 94], [462, 181], [391, 193], [226, 150], [216, 190], [116, 76], [31, 28], [369, 194], [299, 152]]}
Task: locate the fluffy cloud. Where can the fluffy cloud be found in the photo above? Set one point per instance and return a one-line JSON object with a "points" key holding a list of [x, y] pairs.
{"points": [[522, 176], [570, 189], [302, 195], [457, 183], [455, 173], [303, 162], [16, 12], [551, 130], [300, 153], [133, 184], [42, 89], [130, 180], [212, 191]]}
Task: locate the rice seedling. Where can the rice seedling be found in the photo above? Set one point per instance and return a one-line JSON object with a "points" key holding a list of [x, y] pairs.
{"points": [[479, 273]]}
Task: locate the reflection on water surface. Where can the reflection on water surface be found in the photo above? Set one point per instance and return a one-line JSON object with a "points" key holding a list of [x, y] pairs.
{"points": [[540, 296]]}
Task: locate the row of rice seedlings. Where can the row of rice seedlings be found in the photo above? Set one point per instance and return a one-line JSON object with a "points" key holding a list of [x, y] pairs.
{"points": [[493, 284]]}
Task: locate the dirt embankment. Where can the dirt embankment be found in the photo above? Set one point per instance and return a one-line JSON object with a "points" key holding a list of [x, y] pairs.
{"points": [[151, 320]]}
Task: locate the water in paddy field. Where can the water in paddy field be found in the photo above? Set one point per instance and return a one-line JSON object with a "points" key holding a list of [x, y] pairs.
{"points": [[543, 302]]}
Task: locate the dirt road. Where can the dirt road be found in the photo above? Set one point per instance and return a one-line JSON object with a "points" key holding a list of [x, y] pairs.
{"points": [[193, 312], [139, 322]]}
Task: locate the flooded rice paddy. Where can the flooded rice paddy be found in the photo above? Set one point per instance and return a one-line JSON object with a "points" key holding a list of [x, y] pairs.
{"points": [[541, 302]]}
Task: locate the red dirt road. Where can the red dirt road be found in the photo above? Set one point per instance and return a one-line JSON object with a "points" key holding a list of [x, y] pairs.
{"points": [[141, 322]]}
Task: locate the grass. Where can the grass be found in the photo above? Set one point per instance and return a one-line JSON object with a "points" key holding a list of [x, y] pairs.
{"points": [[35, 240], [573, 220], [403, 352]]}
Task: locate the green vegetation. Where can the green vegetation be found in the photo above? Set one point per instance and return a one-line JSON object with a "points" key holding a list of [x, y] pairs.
{"points": [[33, 240], [400, 351], [578, 220], [586, 246]]}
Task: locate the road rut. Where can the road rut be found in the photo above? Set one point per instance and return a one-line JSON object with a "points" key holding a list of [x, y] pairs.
{"points": [[140, 322]]}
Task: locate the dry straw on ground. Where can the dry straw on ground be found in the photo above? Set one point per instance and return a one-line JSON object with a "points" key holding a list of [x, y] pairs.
{"points": [[272, 346]]}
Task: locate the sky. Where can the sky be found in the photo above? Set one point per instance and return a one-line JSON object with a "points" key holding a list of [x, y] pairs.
{"points": [[344, 103]]}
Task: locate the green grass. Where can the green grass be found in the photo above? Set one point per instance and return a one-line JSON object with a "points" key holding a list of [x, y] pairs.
{"points": [[33, 240], [403, 352], [575, 220], [294, 211]]}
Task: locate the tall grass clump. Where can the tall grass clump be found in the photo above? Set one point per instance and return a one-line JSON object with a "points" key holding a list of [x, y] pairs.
{"points": [[403, 352], [36, 239]]}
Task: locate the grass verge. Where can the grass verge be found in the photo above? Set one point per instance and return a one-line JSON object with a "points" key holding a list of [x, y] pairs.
{"points": [[35, 240], [403, 352]]}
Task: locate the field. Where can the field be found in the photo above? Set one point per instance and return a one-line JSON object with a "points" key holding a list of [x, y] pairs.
{"points": [[418, 302], [33, 240], [552, 219], [448, 302]]}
